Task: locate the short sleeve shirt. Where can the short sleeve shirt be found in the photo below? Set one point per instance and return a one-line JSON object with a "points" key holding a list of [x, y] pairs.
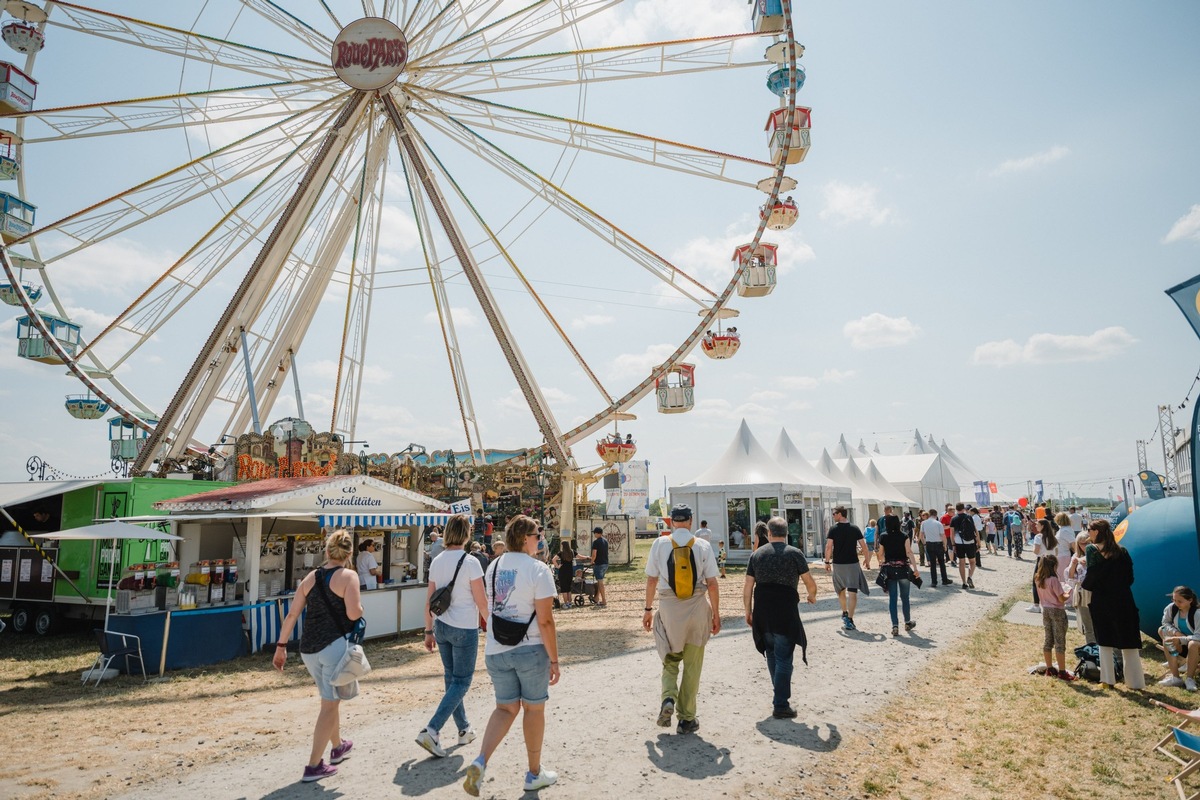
{"points": [[601, 548], [933, 530], [660, 552], [513, 583], [778, 563], [845, 538], [462, 612]]}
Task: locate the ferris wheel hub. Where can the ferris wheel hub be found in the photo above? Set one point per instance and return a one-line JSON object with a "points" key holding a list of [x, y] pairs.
{"points": [[369, 53]]}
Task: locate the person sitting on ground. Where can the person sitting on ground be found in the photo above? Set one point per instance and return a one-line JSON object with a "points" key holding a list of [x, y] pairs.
{"points": [[1181, 641]]}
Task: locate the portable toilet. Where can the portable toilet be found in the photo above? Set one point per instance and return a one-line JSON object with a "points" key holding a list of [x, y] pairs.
{"points": [[16, 217], [10, 163], [675, 389], [86, 406], [767, 16], [759, 267], [797, 134], [31, 344], [17, 90], [125, 439]]}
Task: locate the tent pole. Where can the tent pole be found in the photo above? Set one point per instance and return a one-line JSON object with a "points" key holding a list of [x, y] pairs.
{"points": [[112, 566]]}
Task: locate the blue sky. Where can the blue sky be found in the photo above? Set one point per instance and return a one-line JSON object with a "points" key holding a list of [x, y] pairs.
{"points": [[996, 197]]}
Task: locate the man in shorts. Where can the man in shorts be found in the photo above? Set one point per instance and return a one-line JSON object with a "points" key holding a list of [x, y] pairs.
{"points": [[966, 545], [842, 548], [600, 564]]}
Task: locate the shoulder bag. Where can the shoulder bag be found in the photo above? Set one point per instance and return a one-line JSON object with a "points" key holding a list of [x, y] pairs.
{"points": [[354, 663], [509, 633], [439, 601]]}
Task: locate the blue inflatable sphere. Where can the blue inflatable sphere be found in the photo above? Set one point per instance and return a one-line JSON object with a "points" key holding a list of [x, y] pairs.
{"points": [[1161, 540]]}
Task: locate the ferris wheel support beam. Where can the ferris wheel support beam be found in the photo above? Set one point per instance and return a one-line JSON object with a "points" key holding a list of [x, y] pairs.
{"points": [[200, 385], [516, 361]]}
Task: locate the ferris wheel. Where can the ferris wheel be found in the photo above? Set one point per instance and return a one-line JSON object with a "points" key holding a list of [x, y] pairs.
{"points": [[368, 180]]}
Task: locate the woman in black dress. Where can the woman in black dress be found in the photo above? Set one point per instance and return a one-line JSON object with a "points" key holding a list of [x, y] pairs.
{"points": [[1114, 613], [564, 570]]}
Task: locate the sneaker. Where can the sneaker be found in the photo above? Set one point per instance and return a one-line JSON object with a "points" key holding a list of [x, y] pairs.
{"points": [[1189, 684], [1051, 672], [1171, 680], [430, 743], [948, 583], [688, 726], [567, 605], [467, 736], [847, 625], [850, 626], [321, 770], [541, 780], [787, 712], [340, 753], [1035, 609], [475, 773], [908, 626], [895, 631], [665, 712], [1067, 676], [970, 583]]}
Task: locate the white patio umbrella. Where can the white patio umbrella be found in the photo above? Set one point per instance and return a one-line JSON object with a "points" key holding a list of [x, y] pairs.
{"points": [[114, 530]]}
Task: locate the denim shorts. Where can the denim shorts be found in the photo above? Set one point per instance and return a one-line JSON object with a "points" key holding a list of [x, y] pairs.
{"points": [[600, 570], [323, 666], [520, 674]]}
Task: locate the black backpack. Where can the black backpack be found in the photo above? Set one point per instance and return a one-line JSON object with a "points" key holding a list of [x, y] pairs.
{"points": [[966, 528]]}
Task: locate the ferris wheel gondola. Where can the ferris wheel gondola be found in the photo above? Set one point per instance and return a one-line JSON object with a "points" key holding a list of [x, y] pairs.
{"points": [[297, 148]]}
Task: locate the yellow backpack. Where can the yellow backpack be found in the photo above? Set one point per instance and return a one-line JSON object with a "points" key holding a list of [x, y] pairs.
{"points": [[681, 571]]}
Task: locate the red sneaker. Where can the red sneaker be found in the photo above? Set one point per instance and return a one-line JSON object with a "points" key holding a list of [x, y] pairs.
{"points": [[1068, 676]]}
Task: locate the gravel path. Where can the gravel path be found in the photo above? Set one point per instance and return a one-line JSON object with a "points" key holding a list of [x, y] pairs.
{"points": [[601, 736]]}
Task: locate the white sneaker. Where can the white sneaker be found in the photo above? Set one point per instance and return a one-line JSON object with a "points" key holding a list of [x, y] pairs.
{"points": [[541, 781], [467, 736], [475, 773], [1171, 680], [1189, 684], [430, 742], [1034, 609]]}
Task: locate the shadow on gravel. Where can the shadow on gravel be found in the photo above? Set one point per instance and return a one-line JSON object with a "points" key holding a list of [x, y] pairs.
{"points": [[418, 777], [801, 734], [688, 756], [914, 639], [305, 790], [862, 636]]}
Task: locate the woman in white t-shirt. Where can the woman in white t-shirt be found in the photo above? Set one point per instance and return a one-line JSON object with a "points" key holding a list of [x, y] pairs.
{"points": [[455, 634], [367, 566], [1065, 541], [520, 589]]}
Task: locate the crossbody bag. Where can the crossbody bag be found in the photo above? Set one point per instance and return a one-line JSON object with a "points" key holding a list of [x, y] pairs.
{"points": [[439, 601], [508, 632], [354, 663]]}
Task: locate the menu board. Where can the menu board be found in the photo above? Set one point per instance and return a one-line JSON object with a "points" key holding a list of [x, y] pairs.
{"points": [[26, 570], [47, 572], [6, 570]]}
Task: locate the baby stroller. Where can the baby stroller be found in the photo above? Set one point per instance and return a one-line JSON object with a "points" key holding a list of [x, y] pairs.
{"points": [[583, 588], [1089, 663]]}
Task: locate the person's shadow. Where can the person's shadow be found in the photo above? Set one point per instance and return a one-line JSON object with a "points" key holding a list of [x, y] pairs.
{"points": [[800, 734], [688, 756], [417, 777], [307, 790]]}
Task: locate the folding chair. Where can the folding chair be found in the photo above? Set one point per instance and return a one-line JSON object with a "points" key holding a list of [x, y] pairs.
{"points": [[1187, 718], [1189, 743], [129, 648]]}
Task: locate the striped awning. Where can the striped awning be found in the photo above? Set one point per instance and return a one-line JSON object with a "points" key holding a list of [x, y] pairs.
{"points": [[381, 520]]}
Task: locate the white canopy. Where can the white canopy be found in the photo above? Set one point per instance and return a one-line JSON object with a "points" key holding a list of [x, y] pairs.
{"points": [[788, 455], [889, 491], [746, 462], [842, 449], [12, 494], [109, 531]]}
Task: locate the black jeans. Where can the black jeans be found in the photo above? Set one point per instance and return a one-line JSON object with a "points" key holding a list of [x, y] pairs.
{"points": [[936, 553]]}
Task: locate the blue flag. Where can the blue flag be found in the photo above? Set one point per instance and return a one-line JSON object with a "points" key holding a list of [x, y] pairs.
{"points": [[1041, 493], [1152, 483], [1187, 296]]}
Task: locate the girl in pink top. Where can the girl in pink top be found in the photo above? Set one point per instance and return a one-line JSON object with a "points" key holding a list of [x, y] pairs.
{"points": [[1052, 599]]}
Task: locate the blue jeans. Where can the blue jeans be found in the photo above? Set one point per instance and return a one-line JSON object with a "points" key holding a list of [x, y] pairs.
{"points": [[779, 652], [458, 648], [900, 587]]}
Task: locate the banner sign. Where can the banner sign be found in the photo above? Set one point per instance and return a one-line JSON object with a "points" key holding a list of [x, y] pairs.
{"points": [[983, 496], [1187, 296], [632, 496]]}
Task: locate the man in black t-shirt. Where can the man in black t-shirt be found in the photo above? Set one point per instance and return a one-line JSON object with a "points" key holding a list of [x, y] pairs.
{"points": [[966, 545], [772, 609], [842, 547], [600, 564]]}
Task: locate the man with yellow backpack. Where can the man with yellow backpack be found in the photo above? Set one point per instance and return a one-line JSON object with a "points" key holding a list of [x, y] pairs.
{"points": [[681, 571]]}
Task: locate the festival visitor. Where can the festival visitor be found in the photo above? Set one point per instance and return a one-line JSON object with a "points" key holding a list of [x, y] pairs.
{"points": [[888, 523], [977, 521], [966, 545], [600, 565], [722, 557], [895, 557], [1081, 597], [1180, 639], [497, 550], [997, 518], [707, 535], [520, 589], [1044, 543], [1052, 599], [564, 568], [1114, 613], [760, 535], [843, 544], [869, 538], [689, 611], [908, 526], [1065, 544], [323, 643], [772, 601], [989, 536], [454, 634], [949, 534], [934, 536], [478, 554], [369, 573], [1014, 531], [1076, 520]]}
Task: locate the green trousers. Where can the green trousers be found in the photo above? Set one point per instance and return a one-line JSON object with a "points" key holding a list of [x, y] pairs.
{"points": [[683, 692]]}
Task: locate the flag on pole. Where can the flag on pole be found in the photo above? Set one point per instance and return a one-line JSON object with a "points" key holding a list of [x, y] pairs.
{"points": [[1187, 296]]}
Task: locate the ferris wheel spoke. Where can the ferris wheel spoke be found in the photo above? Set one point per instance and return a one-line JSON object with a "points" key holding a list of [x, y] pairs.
{"points": [[183, 110], [593, 137], [640, 254], [184, 44], [290, 24], [454, 21], [548, 70]]}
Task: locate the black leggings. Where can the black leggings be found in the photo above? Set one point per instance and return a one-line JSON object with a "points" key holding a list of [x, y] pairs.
{"points": [[1036, 600]]}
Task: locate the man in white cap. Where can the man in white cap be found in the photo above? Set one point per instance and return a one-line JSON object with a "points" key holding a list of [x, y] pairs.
{"points": [[681, 571]]}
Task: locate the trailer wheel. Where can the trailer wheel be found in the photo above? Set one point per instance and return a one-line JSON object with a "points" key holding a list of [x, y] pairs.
{"points": [[21, 619], [45, 622]]}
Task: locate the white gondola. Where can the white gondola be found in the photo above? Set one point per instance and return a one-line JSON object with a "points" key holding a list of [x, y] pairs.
{"points": [[22, 37], [10, 163], [780, 216], [9, 295], [31, 344], [17, 90], [760, 269], [796, 133], [85, 406], [675, 390], [767, 16], [615, 450]]}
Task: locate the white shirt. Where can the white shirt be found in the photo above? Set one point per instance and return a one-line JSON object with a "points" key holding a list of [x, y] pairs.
{"points": [[1076, 522], [933, 530], [978, 520], [660, 552], [706, 535], [736, 536], [462, 612], [363, 565], [1038, 549], [521, 581]]}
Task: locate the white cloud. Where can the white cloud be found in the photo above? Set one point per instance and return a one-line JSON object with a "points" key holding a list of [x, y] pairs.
{"points": [[325, 371], [1051, 348], [1186, 227], [845, 203], [795, 382], [516, 401], [463, 317], [113, 266], [1027, 163], [632, 365], [591, 321], [878, 330], [652, 20]]}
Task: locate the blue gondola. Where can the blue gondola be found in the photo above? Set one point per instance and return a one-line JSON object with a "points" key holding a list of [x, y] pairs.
{"points": [[31, 345], [779, 81], [16, 217], [767, 15], [8, 293], [125, 439], [85, 406]]}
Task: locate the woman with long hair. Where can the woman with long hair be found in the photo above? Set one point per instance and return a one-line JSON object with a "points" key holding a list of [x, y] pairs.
{"points": [[520, 594], [323, 643], [1044, 543], [1053, 600], [454, 633], [1114, 612], [760, 534], [1180, 638], [564, 567], [1076, 573]]}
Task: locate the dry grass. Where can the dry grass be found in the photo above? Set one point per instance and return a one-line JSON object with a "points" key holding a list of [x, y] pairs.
{"points": [[977, 725]]}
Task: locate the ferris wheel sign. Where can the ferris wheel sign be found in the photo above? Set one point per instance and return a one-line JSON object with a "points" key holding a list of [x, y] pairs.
{"points": [[369, 53]]}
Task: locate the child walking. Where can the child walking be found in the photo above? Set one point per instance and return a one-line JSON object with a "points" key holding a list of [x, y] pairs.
{"points": [[1054, 615], [721, 558]]}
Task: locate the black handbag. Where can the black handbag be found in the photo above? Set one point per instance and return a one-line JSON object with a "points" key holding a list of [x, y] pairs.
{"points": [[508, 632], [439, 601]]}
